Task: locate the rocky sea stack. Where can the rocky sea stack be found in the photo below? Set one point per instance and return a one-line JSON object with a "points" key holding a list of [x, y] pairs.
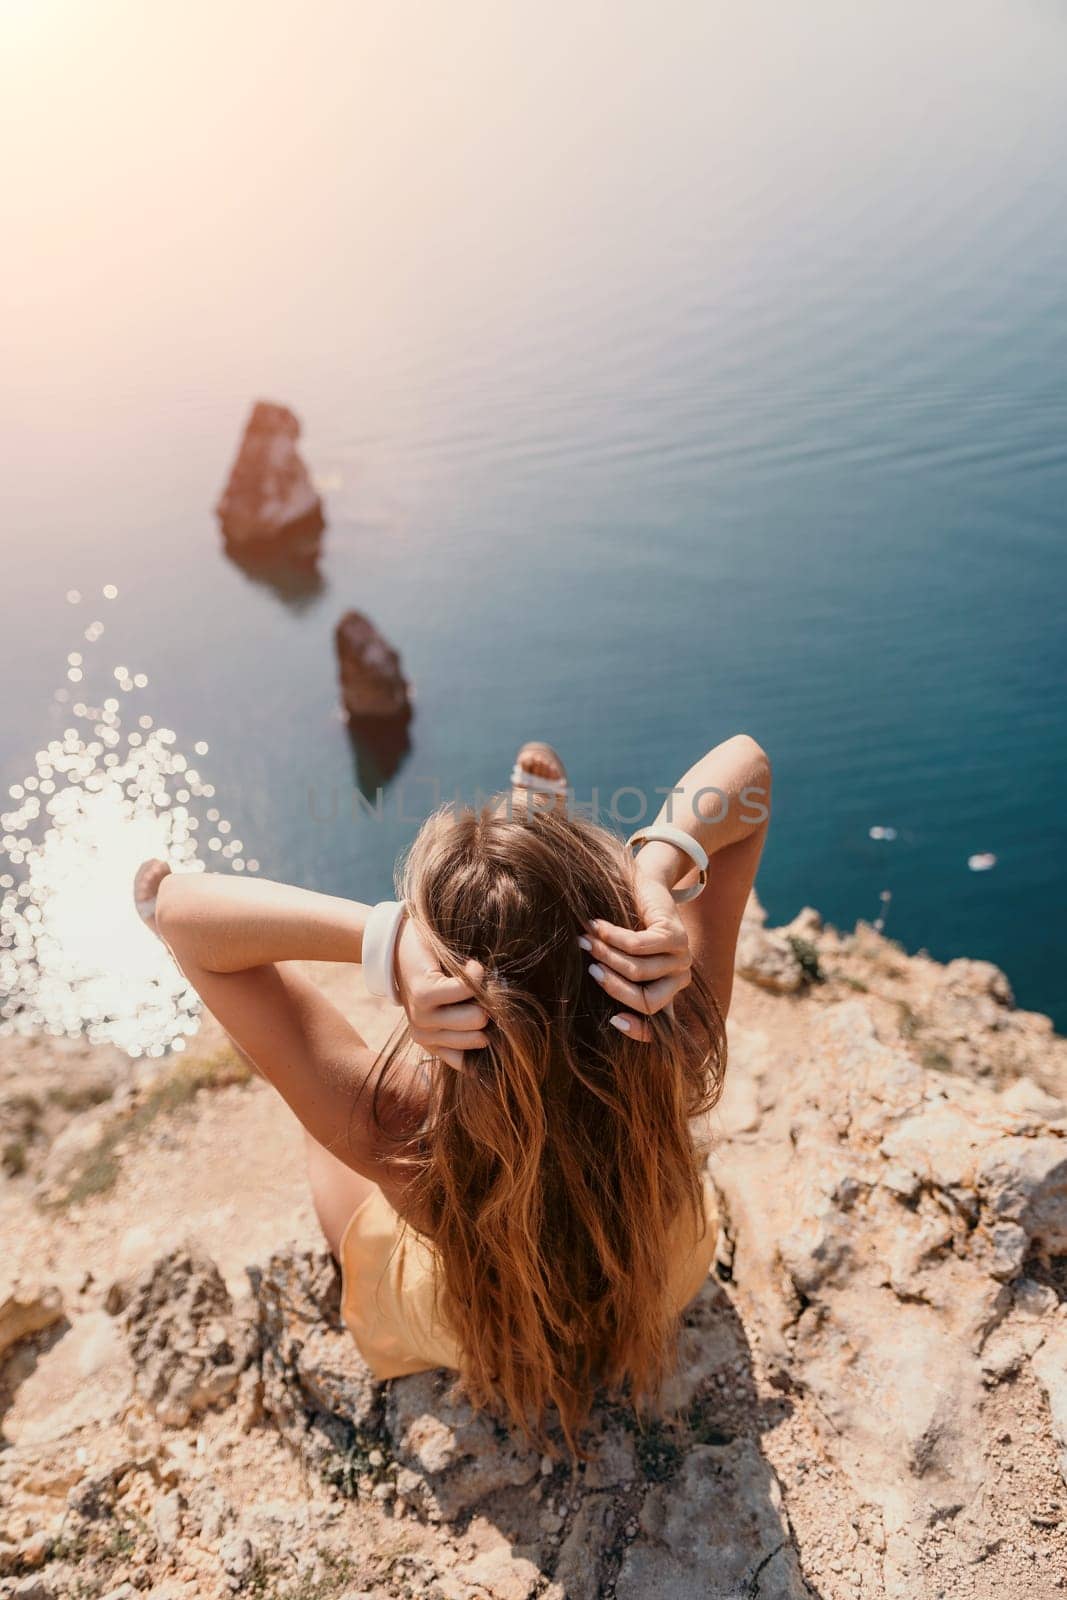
{"points": [[269, 496]]}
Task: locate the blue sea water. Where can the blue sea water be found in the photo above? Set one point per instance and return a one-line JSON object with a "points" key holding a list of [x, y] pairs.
{"points": [[666, 373]]}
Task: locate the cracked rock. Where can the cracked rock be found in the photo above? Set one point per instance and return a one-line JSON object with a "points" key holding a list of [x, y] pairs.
{"points": [[450, 1456], [316, 1387], [715, 1532], [187, 1343]]}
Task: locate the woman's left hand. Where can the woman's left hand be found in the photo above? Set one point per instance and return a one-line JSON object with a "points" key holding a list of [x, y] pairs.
{"points": [[642, 969]]}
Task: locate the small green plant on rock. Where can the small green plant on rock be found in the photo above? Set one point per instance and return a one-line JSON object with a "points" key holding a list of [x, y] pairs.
{"points": [[807, 957], [95, 1171]]}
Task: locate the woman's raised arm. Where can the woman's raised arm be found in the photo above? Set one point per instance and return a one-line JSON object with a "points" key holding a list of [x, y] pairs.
{"points": [[237, 940], [226, 924], [723, 802]]}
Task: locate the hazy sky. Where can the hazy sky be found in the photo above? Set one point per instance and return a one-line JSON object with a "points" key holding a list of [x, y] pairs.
{"points": [[389, 154]]}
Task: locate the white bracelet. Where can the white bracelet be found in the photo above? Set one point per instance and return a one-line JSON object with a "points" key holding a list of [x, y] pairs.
{"points": [[379, 949], [665, 833]]}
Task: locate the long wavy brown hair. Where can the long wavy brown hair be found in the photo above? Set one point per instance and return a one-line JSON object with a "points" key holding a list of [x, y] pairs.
{"points": [[551, 1173]]}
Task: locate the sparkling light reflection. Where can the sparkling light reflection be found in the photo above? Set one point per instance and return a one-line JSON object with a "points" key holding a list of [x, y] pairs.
{"points": [[75, 958]]}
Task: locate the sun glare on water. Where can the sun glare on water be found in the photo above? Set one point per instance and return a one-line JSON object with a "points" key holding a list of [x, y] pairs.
{"points": [[75, 958]]}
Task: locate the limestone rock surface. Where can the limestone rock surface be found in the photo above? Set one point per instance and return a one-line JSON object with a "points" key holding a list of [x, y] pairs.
{"points": [[870, 1401]]}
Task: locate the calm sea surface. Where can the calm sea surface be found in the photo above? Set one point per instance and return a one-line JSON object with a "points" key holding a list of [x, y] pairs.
{"points": [[666, 372]]}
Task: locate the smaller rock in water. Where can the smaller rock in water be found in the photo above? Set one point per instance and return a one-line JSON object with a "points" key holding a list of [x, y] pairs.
{"points": [[269, 494], [372, 682]]}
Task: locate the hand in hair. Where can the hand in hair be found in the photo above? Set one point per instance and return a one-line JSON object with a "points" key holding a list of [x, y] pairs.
{"points": [[443, 1016], [645, 968]]}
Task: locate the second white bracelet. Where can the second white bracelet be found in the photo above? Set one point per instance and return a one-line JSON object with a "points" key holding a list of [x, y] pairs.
{"points": [[666, 833], [379, 949]]}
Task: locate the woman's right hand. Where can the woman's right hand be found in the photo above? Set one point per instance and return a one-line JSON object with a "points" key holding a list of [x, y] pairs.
{"points": [[643, 969], [444, 1017]]}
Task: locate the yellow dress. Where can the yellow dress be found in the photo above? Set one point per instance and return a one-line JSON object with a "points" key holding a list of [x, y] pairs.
{"points": [[388, 1299]]}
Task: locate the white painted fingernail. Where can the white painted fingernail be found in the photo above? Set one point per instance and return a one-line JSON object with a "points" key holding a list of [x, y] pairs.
{"points": [[584, 943], [622, 1023], [596, 971]]}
